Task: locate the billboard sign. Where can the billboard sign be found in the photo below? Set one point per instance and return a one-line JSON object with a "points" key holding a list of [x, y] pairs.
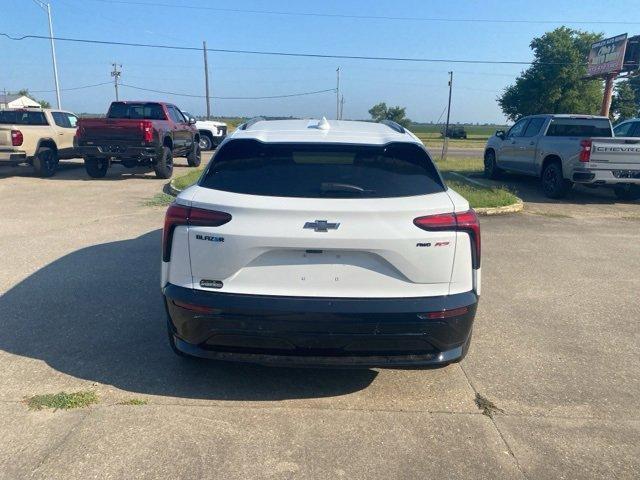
{"points": [[607, 56], [632, 55]]}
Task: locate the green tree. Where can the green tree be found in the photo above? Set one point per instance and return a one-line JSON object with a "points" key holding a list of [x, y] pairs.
{"points": [[555, 82], [397, 114], [624, 104]]}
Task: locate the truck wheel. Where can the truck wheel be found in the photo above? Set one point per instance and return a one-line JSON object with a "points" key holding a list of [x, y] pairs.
{"points": [[554, 184], [45, 162], [164, 164], [627, 192], [206, 143], [96, 167], [491, 169], [194, 158]]}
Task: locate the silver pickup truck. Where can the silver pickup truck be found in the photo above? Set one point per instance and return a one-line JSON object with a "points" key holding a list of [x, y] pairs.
{"points": [[565, 149]]}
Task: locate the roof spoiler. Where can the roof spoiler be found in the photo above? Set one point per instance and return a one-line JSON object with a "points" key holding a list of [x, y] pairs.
{"points": [[393, 126], [250, 122]]}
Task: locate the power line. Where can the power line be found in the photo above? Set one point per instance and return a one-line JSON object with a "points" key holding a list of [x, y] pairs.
{"points": [[284, 54], [72, 88], [228, 98], [368, 17]]}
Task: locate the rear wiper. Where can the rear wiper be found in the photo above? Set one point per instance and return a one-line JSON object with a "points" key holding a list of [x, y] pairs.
{"points": [[331, 187]]}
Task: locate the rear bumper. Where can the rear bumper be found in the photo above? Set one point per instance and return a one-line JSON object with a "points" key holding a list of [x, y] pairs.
{"points": [[12, 156], [320, 331], [118, 151], [606, 177]]}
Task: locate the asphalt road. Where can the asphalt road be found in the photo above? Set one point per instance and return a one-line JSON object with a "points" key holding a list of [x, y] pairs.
{"points": [[556, 347]]}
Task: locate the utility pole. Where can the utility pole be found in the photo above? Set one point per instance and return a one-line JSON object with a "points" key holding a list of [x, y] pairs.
{"points": [[116, 75], [608, 93], [206, 79], [47, 8], [338, 94], [445, 145], [341, 105]]}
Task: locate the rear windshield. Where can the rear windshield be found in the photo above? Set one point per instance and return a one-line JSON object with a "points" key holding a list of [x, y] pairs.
{"points": [[141, 111], [21, 117], [322, 170], [579, 127]]}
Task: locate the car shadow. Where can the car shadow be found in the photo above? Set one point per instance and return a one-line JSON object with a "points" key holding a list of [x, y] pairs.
{"points": [[74, 170], [529, 190], [97, 314]]}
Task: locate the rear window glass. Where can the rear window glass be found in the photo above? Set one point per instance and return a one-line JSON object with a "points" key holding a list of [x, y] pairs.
{"points": [[577, 127], [142, 111], [322, 170], [21, 117]]}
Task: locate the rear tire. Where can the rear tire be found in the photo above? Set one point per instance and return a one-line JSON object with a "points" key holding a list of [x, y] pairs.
{"points": [[491, 169], [627, 192], [206, 142], [164, 165], [96, 167], [45, 162], [195, 157], [554, 185]]}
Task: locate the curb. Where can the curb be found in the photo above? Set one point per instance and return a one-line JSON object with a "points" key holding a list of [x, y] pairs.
{"points": [[515, 207], [171, 189]]}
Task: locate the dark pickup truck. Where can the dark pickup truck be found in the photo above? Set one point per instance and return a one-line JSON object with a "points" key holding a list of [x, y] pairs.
{"points": [[138, 134]]}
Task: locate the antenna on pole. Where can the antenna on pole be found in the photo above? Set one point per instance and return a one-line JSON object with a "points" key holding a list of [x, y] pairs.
{"points": [[115, 73], [445, 145], [206, 79], [338, 94]]}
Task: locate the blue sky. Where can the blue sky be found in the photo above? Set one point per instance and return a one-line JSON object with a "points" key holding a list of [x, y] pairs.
{"points": [[422, 88]]}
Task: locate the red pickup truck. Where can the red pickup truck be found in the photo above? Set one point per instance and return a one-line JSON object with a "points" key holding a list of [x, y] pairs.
{"points": [[138, 134]]}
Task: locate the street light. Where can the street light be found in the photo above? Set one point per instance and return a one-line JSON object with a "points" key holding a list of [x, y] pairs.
{"points": [[47, 8]]}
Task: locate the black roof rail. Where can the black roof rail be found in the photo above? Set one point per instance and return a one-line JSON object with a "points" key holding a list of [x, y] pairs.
{"points": [[250, 122], [393, 126]]}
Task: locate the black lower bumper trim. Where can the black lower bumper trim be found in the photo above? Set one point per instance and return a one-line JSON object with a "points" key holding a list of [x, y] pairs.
{"points": [[319, 331]]}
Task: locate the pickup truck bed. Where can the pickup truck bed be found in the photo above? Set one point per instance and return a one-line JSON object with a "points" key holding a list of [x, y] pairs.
{"points": [[138, 134]]}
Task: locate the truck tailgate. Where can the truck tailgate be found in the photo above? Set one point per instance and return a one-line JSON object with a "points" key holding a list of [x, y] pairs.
{"points": [[5, 135], [615, 153], [110, 129]]}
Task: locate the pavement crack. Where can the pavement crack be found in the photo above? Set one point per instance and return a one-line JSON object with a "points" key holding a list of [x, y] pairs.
{"points": [[489, 409]]}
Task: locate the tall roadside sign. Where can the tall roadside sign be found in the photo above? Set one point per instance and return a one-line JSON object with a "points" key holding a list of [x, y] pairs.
{"points": [[607, 60]]}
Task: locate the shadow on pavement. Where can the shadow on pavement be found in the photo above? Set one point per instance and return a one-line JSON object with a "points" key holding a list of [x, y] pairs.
{"points": [[74, 170], [529, 190], [97, 314]]}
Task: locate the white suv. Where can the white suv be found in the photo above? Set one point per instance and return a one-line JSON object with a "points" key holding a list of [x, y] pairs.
{"points": [[321, 243]]}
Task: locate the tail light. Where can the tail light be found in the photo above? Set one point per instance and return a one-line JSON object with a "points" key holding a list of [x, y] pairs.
{"points": [[180, 215], [585, 150], [146, 127], [16, 138], [457, 222]]}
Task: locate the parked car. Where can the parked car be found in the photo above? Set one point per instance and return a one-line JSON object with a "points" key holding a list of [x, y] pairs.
{"points": [[628, 128], [567, 149], [454, 131], [321, 243], [39, 137], [138, 134], [211, 133]]}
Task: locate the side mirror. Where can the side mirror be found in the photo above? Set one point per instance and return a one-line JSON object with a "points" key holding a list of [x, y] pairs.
{"points": [[500, 134], [192, 121]]}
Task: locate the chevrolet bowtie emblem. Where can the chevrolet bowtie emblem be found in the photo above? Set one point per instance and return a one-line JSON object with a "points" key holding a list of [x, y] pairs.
{"points": [[321, 226]]}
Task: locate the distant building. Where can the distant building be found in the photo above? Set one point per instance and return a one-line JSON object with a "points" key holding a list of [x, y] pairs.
{"points": [[14, 100]]}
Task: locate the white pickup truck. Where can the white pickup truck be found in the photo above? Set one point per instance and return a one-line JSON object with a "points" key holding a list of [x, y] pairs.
{"points": [[565, 149], [211, 133]]}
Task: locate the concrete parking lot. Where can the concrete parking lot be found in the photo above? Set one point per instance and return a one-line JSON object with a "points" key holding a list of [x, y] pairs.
{"points": [[556, 347]]}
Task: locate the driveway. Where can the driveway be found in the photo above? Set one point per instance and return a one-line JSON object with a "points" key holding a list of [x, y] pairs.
{"points": [[556, 348]]}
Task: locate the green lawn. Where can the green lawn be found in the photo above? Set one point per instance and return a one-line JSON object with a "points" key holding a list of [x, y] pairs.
{"points": [[187, 179]]}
